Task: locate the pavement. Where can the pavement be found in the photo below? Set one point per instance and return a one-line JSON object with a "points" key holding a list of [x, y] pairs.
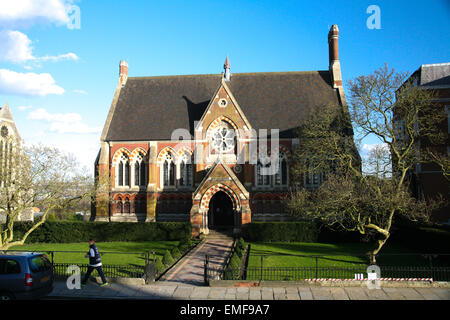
{"points": [[167, 290]]}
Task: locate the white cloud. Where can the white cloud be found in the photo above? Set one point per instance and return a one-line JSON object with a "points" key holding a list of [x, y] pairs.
{"points": [[80, 91], [28, 12], [59, 57], [76, 127], [16, 47], [30, 83], [42, 114], [84, 147], [22, 108], [63, 122]]}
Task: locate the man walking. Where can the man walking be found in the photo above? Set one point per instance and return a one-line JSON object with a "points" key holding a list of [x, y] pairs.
{"points": [[95, 262]]}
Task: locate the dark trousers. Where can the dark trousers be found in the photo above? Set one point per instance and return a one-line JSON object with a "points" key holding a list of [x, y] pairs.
{"points": [[100, 273]]}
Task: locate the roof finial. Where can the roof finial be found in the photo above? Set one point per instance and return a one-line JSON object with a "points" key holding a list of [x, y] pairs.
{"points": [[227, 67]]}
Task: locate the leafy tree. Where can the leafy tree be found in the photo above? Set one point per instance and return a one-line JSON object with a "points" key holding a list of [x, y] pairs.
{"points": [[350, 198], [41, 177]]}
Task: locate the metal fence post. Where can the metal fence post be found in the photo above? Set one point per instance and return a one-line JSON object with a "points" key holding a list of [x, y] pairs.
{"points": [[317, 266], [262, 268], [205, 271]]}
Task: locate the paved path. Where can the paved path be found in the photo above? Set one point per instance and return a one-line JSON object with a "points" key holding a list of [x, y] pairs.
{"points": [[190, 269], [181, 291]]}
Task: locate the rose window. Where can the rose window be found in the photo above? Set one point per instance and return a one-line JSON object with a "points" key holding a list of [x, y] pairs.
{"points": [[223, 140]]}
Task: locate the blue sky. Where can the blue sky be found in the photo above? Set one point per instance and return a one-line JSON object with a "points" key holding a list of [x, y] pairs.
{"points": [[63, 78]]}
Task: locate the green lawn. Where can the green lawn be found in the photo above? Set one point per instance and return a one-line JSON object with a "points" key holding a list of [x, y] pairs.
{"points": [[298, 254], [134, 251]]}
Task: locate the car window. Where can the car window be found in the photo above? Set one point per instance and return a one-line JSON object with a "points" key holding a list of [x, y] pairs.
{"points": [[9, 266], [39, 264]]}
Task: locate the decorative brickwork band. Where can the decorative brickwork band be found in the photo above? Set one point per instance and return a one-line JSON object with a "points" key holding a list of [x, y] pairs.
{"points": [[206, 198]]}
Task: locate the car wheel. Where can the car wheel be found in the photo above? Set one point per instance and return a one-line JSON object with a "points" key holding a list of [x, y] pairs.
{"points": [[5, 296]]}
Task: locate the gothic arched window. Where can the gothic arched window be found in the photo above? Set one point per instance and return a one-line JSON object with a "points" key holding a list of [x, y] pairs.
{"points": [[137, 176], [282, 173], [123, 176], [185, 170], [139, 171], [168, 170], [126, 206], [264, 176], [119, 206]]}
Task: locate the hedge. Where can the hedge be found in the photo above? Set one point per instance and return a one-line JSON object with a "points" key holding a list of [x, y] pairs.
{"points": [[67, 232], [282, 231], [423, 238]]}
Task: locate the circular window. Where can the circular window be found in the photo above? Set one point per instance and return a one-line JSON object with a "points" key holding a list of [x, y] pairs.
{"points": [[223, 103], [4, 131], [237, 168], [223, 140]]}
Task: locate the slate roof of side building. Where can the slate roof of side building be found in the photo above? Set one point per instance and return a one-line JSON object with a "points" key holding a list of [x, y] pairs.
{"points": [[437, 74], [150, 108]]}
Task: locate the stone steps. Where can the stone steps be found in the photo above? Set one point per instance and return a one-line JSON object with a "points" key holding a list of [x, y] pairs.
{"points": [[225, 235]]}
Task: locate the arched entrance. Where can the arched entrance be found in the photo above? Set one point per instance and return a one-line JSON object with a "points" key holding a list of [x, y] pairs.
{"points": [[220, 212]]}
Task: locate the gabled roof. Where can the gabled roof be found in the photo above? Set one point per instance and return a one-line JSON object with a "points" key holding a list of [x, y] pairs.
{"points": [[219, 165], [6, 115], [432, 75], [233, 99], [150, 108]]}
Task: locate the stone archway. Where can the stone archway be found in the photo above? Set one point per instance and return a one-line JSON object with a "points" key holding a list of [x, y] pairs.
{"points": [[221, 214], [220, 178], [221, 197]]}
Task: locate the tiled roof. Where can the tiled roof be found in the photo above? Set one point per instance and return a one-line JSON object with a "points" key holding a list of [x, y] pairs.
{"points": [[150, 108]]}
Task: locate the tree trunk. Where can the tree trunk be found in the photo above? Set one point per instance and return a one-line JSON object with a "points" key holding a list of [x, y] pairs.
{"points": [[374, 252]]}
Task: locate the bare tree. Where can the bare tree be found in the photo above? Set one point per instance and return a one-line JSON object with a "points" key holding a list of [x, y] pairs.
{"points": [[41, 177], [394, 112]]}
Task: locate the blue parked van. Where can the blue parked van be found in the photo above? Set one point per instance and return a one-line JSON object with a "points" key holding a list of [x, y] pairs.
{"points": [[25, 275]]}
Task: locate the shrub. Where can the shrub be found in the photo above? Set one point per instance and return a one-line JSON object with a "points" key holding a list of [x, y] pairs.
{"points": [[233, 268], [241, 244], [183, 247], [159, 266], [167, 259], [175, 252], [422, 238], [65, 231], [238, 251], [328, 235]]}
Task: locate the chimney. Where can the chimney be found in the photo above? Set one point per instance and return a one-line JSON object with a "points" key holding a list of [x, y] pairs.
{"points": [[333, 50], [227, 67], [123, 72]]}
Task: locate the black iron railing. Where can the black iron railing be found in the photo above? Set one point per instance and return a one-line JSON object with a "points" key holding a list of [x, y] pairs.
{"points": [[146, 269], [427, 266], [302, 273], [110, 271]]}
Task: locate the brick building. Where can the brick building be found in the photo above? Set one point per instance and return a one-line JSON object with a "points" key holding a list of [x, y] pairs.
{"points": [[427, 179], [182, 148]]}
